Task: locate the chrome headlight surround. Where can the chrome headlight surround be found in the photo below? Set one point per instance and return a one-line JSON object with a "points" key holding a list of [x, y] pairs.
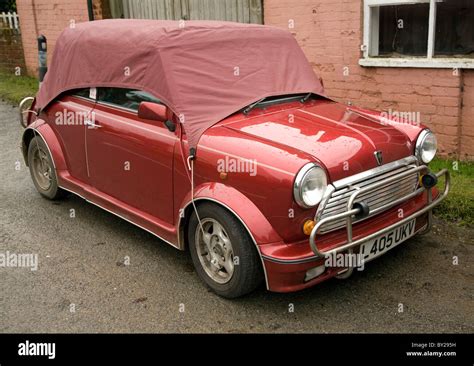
{"points": [[310, 185], [426, 146]]}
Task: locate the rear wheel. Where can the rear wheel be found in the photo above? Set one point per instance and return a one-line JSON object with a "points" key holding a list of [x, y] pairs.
{"points": [[223, 253], [42, 170]]}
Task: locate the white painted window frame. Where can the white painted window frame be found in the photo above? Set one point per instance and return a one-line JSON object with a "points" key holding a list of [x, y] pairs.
{"points": [[371, 41]]}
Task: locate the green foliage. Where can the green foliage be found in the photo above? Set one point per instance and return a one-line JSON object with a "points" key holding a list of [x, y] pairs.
{"points": [[458, 207], [7, 6], [14, 88]]}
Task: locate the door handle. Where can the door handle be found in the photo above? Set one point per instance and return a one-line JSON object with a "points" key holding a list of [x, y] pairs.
{"points": [[91, 124]]}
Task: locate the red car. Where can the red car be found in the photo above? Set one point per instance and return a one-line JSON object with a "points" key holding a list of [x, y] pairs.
{"points": [[218, 138]]}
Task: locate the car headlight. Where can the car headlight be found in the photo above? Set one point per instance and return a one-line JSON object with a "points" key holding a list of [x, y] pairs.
{"points": [[310, 184], [426, 146]]}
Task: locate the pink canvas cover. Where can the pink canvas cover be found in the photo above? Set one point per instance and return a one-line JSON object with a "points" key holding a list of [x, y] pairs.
{"points": [[203, 70]]}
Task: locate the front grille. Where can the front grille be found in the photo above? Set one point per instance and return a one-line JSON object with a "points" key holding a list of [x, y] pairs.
{"points": [[378, 199]]}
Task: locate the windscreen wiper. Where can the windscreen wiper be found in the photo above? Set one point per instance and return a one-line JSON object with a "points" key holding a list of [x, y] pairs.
{"points": [[252, 106]]}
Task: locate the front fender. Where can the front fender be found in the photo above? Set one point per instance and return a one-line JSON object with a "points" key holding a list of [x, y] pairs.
{"points": [[41, 128], [243, 208]]}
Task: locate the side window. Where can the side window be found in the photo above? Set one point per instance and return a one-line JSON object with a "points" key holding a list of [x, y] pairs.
{"points": [[84, 93], [125, 98]]}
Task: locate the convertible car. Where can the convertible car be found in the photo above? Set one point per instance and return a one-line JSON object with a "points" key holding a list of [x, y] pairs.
{"points": [[219, 139]]}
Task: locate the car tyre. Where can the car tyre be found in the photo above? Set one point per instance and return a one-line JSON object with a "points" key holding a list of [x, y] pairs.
{"points": [[223, 242], [42, 170]]}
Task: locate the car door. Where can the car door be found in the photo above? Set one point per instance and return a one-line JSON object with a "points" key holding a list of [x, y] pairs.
{"points": [[67, 115], [131, 159]]}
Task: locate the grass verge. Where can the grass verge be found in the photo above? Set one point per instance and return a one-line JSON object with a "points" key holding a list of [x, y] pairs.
{"points": [[14, 88], [458, 207]]}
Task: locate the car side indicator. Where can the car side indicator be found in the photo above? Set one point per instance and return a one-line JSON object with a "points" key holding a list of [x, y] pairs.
{"points": [[379, 157]]}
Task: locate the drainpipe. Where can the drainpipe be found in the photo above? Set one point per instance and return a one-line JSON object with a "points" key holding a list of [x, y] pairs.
{"points": [[33, 6], [42, 57], [460, 117], [90, 10]]}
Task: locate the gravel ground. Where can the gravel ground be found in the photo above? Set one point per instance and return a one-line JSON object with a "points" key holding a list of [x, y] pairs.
{"points": [[81, 267]]}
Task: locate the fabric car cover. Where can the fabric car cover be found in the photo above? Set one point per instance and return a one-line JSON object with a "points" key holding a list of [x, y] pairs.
{"points": [[203, 71]]}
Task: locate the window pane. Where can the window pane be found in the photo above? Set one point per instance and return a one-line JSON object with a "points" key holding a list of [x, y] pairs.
{"points": [[403, 30], [455, 28], [126, 98], [81, 92], [135, 97]]}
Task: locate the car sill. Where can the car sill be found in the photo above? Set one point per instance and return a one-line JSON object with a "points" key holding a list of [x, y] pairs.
{"points": [[118, 215]]}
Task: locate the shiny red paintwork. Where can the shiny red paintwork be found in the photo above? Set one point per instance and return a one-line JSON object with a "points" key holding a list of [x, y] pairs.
{"points": [[155, 191]]}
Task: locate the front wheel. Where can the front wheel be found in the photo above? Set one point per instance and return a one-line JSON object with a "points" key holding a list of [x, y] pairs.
{"points": [[223, 253]]}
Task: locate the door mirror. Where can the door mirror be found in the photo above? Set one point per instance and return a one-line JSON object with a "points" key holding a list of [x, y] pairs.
{"points": [[152, 111]]}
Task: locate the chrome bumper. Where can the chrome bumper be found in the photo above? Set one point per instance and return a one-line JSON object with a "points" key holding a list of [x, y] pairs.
{"points": [[352, 212]]}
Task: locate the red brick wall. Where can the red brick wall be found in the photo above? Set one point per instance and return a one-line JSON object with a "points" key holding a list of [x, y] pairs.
{"points": [[11, 50], [48, 17], [330, 33]]}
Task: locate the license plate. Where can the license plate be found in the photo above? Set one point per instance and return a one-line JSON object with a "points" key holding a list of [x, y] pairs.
{"points": [[387, 241]]}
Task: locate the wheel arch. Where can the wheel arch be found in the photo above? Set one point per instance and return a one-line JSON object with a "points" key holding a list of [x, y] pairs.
{"points": [[252, 219], [182, 237], [45, 132], [258, 227], [28, 135], [188, 210]]}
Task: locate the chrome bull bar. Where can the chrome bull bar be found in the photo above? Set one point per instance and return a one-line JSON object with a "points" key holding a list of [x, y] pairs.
{"points": [[354, 211]]}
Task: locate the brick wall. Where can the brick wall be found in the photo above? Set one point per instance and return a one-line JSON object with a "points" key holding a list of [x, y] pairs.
{"points": [[11, 50], [330, 33], [48, 17]]}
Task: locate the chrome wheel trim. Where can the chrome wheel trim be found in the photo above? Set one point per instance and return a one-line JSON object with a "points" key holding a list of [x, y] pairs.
{"points": [[214, 250], [42, 169]]}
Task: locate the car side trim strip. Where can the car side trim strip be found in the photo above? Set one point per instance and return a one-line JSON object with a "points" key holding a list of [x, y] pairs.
{"points": [[87, 200], [291, 261], [179, 223], [118, 215]]}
